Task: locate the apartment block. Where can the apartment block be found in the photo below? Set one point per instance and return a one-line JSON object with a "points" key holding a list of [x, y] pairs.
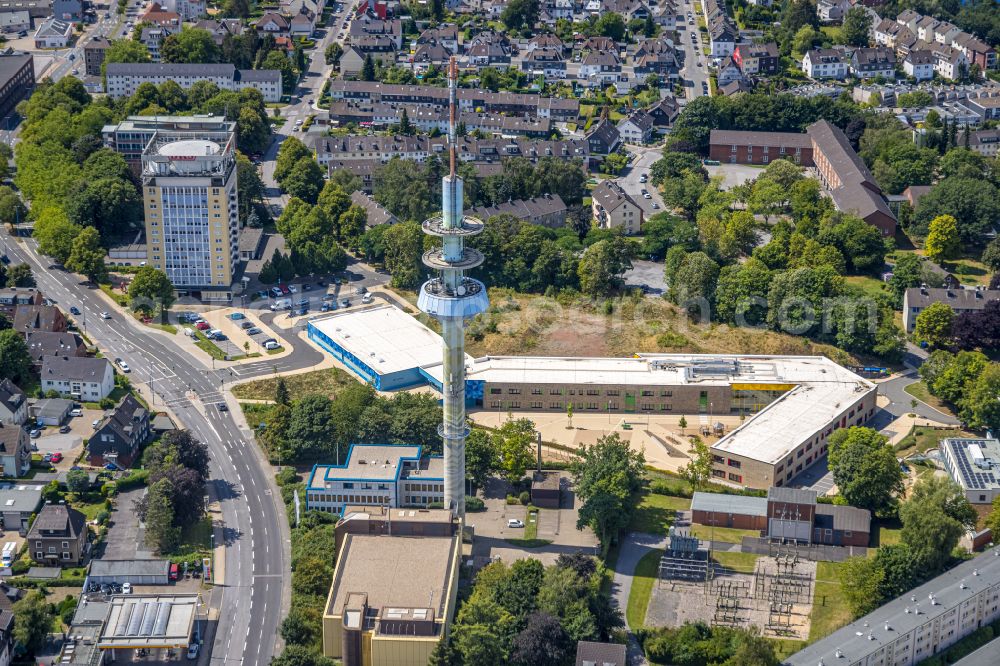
{"points": [[124, 78], [190, 205]]}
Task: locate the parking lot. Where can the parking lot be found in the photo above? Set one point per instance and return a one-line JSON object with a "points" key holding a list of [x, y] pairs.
{"points": [[557, 526], [243, 330]]}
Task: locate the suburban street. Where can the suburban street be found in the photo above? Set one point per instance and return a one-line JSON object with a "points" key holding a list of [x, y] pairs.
{"points": [[630, 178], [695, 77], [253, 525]]}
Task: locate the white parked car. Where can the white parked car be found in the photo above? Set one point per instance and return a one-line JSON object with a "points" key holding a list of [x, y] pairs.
{"points": [[193, 650], [514, 522], [366, 299], [126, 588], [271, 344]]}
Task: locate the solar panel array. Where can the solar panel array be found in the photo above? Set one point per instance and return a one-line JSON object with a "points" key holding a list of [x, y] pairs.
{"points": [[143, 619], [973, 477]]}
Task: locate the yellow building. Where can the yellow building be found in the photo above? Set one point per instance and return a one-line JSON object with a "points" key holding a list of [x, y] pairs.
{"points": [[190, 204], [392, 598]]}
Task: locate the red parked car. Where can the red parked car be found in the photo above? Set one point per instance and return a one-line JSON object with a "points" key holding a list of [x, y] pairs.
{"points": [[203, 326], [175, 572], [56, 457]]}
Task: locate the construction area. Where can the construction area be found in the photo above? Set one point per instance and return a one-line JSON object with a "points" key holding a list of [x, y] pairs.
{"points": [[776, 597]]}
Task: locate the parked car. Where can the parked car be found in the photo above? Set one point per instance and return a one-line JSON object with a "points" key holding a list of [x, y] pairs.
{"points": [[175, 572], [220, 337], [253, 330], [123, 365], [202, 326], [367, 298], [246, 325], [236, 316], [126, 588], [193, 650], [270, 345], [276, 291], [111, 467], [76, 412], [35, 434], [514, 522], [64, 429], [346, 303], [57, 457]]}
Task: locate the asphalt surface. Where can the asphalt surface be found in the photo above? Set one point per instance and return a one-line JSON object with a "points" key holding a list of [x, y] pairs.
{"points": [[629, 180], [254, 530], [693, 75]]}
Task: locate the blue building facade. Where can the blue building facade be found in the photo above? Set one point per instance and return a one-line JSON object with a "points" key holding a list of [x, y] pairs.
{"points": [[391, 381]]}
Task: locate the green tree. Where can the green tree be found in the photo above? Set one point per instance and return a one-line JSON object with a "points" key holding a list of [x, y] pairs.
{"points": [[281, 394], [611, 24], [942, 239], [865, 468], [403, 250], [55, 233], [973, 202], [860, 580], [87, 255], [333, 53], [277, 60], [12, 210], [150, 289], [126, 51], [603, 266], [481, 459], [741, 294], [694, 284], [513, 443], [291, 152], [857, 26], [310, 426], [161, 533], [304, 181], [300, 655], [699, 470], [906, 273], [933, 324], [368, 68], [980, 406], [608, 475], [15, 359], [518, 14], [991, 255], [78, 481], [20, 275], [236, 8], [929, 530], [32, 619]]}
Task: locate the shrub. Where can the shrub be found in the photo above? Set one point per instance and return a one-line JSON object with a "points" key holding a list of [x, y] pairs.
{"points": [[134, 479], [435, 505], [287, 475], [474, 504], [106, 403], [103, 517], [524, 498], [662, 487], [512, 500]]}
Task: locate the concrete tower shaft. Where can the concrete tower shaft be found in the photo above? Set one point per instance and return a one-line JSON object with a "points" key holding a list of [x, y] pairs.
{"points": [[452, 298]]}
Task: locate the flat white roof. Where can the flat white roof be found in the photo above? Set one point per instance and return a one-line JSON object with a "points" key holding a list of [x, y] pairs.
{"points": [[149, 621], [818, 388], [385, 338]]}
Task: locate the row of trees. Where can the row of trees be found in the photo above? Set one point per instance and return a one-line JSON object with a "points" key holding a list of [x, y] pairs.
{"points": [[934, 517], [698, 644], [178, 470], [969, 382], [530, 615], [315, 427]]}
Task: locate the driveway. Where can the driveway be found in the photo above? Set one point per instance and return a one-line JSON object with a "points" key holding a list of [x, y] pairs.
{"points": [[122, 541], [645, 156], [633, 549]]}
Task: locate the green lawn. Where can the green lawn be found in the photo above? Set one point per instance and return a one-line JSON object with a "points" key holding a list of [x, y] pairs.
{"points": [[89, 504], [727, 534], [919, 391], [889, 533], [969, 271], [196, 542], [922, 438], [327, 382], [655, 513], [741, 562], [208, 346], [869, 285], [642, 588], [830, 611]]}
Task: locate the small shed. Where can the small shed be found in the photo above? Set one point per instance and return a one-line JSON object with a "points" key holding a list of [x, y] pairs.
{"points": [[162, 423], [137, 572], [545, 490], [51, 411]]}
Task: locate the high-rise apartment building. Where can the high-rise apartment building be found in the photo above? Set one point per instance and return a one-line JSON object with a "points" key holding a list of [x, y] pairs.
{"points": [[190, 202]]}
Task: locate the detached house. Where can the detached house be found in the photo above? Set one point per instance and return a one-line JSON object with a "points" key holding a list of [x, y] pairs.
{"points": [[604, 139], [15, 450], [756, 58], [38, 318], [58, 537], [637, 128], [272, 23], [613, 208], [13, 404], [88, 379], [120, 435], [919, 64], [824, 64]]}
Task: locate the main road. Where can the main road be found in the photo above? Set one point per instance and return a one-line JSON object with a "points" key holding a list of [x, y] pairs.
{"points": [[254, 528]]}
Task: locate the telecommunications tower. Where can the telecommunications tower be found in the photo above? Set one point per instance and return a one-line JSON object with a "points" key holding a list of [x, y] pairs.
{"points": [[452, 298]]}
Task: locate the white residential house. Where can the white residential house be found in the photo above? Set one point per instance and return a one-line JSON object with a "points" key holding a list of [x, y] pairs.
{"points": [[824, 64], [870, 63], [919, 65], [613, 208], [53, 34], [637, 128], [946, 32], [78, 377], [950, 63]]}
